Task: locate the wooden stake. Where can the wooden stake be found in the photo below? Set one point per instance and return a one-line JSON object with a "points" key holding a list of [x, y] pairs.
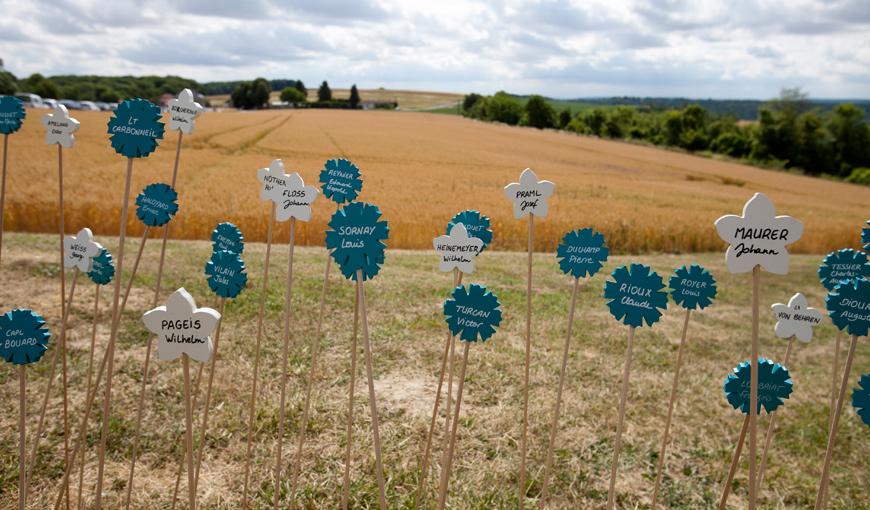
{"points": [[22, 438], [345, 490], [373, 406], [554, 426], [285, 354], [768, 438], [60, 352], [60, 226], [665, 436], [523, 446], [135, 268], [253, 402], [110, 350], [315, 347], [447, 462], [832, 434], [207, 404], [166, 227], [3, 192], [180, 469], [424, 463], [753, 390], [626, 373], [726, 490], [834, 371], [188, 434], [90, 380]]}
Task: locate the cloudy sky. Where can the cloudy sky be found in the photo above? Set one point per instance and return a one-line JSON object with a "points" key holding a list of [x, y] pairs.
{"points": [[560, 48]]}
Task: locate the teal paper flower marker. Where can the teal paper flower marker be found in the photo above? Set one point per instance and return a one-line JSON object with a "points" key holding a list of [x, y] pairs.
{"points": [[102, 268], [11, 114], [861, 399], [23, 336], [865, 236], [843, 265], [692, 287], [157, 204], [473, 314], [477, 225], [582, 253], [340, 180], [226, 274], [849, 306], [227, 236], [774, 386], [356, 239], [636, 295], [135, 128]]}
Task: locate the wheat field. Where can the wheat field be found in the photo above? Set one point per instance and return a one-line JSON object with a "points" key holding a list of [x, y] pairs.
{"points": [[421, 169]]}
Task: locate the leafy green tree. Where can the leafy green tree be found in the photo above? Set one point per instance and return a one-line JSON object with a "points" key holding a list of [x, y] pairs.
{"points": [[301, 88], [8, 83], [469, 102], [564, 118], [813, 149], [851, 138], [109, 96], [354, 97], [502, 107], [539, 113], [240, 98], [292, 95], [260, 92], [859, 176], [732, 143], [324, 93], [47, 89], [595, 121]]}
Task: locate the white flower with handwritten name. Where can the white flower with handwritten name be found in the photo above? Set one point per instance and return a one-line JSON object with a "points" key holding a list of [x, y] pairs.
{"points": [[529, 195], [79, 250], [759, 237], [182, 328], [270, 179], [796, 318], [457, 249], [294, 199], [59, 127], [183, 111]]}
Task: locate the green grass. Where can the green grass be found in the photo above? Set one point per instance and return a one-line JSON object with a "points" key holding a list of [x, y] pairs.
{"points": [[407, 335]]}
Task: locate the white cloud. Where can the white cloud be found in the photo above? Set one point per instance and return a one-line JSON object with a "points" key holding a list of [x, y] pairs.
{"points": [[562, 48]]}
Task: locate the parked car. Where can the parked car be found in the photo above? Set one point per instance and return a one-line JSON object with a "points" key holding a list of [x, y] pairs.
{"points": [[30, 100], [50, 103], [70, 104], [89, 105], [103, 106]]}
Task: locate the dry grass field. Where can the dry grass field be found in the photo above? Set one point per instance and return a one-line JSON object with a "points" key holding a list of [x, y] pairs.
{"points": [[421, 169], [407, 332]]}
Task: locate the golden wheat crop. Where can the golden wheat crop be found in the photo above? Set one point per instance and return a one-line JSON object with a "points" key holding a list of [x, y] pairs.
{"points": [[421, 169]]}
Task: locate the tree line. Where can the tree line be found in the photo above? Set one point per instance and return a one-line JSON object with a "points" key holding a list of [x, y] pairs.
{"points": [[109, 89], [789, 132], [256, 94]]}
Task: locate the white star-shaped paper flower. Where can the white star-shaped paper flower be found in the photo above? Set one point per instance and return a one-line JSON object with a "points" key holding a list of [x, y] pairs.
{"points": [[183, 111], [59, 127], [294, 199], [457, 249], [270, 179], [182, 328], [79, 250], [796, 318], [759, 237], [529, 195]]}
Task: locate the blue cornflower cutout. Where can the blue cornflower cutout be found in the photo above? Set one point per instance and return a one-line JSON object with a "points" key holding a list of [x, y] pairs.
{"points": [[356, 239], [692, 287], [135, 128], [226, 274], [157, 204], [774, 386], [472, 314], [102, 268], [11, 114], [849, 306], [843, 265], [582, 252], [865, 236], [23, 336], [340, 180], [476, 224], [227, 236], [861, 398], [635, 295]]}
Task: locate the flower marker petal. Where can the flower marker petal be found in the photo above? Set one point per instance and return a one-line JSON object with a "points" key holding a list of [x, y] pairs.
{"points": [[59, 127], [183, 111], [796, 318], [79, 250], [529, 195], [182, 328], [23, 336], [458, 250]]}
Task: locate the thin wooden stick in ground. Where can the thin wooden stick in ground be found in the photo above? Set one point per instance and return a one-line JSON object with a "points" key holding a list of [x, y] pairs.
{"points": [[110, 350], [726, 489], [666, 434], [166, 227], [60, 227], [626, 373], [753, 390], [554, 426], [523, 437], [768, 438], [345, 489], [832, 434], [22, 438], [285, 353], [135, 269], [180, 468], [3, 191], [373, 406], [188, 434], [447, 461], [96, 319], [835, 370], [253, 402]]}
